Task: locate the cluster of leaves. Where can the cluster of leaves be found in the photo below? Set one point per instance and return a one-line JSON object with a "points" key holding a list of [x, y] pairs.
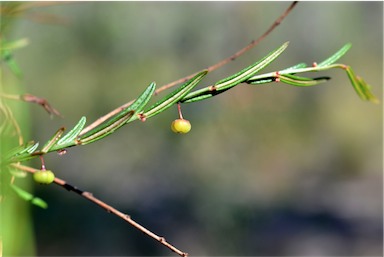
{"points": [[80, 136], [138, 110]]}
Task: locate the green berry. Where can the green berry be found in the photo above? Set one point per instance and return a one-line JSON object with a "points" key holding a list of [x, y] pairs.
{"points": [[44, 176], [181, 126]]}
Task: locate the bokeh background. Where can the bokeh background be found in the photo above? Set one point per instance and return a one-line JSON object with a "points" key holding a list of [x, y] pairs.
{"points": [[266, 170]]}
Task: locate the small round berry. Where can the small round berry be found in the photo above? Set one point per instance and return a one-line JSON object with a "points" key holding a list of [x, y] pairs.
{"points": [[44, 176], [181, 126]]}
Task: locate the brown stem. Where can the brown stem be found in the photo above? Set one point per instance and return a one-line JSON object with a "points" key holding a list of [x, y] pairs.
{"points": [[89, 196], [40, 101], [179, 111]]}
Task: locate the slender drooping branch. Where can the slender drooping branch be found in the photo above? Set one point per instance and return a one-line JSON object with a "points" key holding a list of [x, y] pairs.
{"points": [[89, 196], [253, 43]]}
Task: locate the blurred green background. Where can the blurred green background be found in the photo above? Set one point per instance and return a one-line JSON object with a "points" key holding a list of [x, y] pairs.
{"points": [[266, 170]]}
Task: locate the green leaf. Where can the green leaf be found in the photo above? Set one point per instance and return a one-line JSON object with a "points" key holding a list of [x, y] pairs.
{"points": [[19, 152], [69, 138], [366, 89], [196, 98], [29, 197], [202, 94], [231, 81], [118, 120], [105, 128], [261, 81], [175, 96], [301, 81], [248, 72], [39, 202], [53, 140], [142, 100], [361, 87], [294, 67], [32, 148], [7, 56], [335, 56]]}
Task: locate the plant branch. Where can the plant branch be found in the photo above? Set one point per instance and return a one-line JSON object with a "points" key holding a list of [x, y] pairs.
{"points": [[80, 136], [89, 196], [238, 53], [211, 68]]}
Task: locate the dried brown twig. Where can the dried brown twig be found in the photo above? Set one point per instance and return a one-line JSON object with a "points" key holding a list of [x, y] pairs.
{"points": [[33, 99]]}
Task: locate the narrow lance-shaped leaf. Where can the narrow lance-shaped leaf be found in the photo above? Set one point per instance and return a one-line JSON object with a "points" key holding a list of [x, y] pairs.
{"points": [[231, 81], [142, 101], [53, 140], [302, 81], [294, 67], [301, 67], [31, 148], [251, 70], [29, 197], [335, 56], [367, 91], [199, 96], [360, 86], [21, 158], [7, 56], [118, 120], [104, 130], [23, 154], [139, 104], [69, 138], [21, 149], [261, 80], [174, 96]]}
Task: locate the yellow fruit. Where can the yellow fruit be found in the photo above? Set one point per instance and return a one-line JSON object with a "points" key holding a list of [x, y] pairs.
{"points": [[181, 126], [44, 176]]}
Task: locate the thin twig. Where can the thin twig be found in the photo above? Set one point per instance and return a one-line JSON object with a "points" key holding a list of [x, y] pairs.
{"points": [[237, 54], [33, 99], [89, 196], [42, 102], [211, 68]]}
